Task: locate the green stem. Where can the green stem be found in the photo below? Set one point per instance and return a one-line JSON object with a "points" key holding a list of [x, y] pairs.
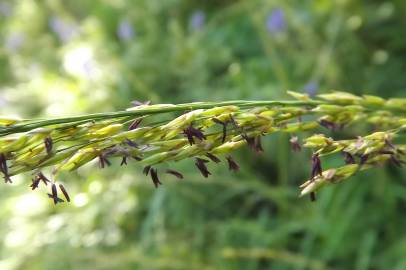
{"points": [[32, 124]]}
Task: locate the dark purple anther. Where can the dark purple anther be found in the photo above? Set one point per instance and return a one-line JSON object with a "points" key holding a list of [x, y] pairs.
{"points": [[42, 177], [154, 177], [348, 158], [35, 183], [213, 158], [146, 170], [135, 124], [316, 166], [54, 195], [65, 193], [123, 161], [224, 124], [48, 145], [312, 196], [191, 133], [200, 164], [175, 173], [4, 168], [232, 165]]}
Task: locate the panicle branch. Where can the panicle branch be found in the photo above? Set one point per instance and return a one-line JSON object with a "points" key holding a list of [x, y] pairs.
{"points": [[207, 133]]}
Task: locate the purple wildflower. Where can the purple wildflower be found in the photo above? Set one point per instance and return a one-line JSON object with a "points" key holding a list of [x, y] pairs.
{"points": [[125, 30], [5, 9], [63, 29], [14, 41], [197, 20], [311, 88], [275, 22]]}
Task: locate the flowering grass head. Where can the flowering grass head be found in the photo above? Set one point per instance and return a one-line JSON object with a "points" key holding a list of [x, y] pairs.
{"points": [[206, 133]]}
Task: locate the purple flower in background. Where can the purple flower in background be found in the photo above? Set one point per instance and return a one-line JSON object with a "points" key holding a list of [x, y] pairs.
{"points": [[197, 20], [125, 30], [14, 41], [5, 9], [275, 22], [311, 88], [64, 30]]}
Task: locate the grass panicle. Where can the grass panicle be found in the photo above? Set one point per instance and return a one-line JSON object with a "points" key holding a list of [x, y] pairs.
{"points": [[205, 131]]}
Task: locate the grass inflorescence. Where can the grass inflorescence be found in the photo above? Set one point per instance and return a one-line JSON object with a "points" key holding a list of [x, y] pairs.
{"points": [[205, 132]]}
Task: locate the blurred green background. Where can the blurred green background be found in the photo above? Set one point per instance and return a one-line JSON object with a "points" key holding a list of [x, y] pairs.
{"points": [[62, 58]]}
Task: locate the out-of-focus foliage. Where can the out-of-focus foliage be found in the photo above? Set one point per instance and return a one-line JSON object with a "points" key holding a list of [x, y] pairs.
{"points": [[62, 58]]}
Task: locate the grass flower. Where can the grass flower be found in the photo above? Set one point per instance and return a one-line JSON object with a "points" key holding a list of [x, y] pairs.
{"points": [[207, 129]]}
